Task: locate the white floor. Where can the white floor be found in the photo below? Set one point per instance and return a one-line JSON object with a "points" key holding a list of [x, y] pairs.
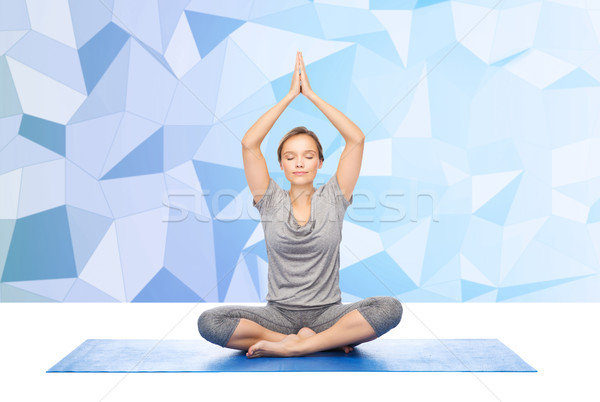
{"points": [[561, 340]]}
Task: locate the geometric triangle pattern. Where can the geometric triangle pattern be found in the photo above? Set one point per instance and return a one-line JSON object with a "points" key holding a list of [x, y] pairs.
{"points": [[146, 158], [121, 177]]}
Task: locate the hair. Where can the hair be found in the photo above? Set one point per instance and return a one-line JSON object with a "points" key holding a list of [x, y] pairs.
{"points": [[297, 131]]}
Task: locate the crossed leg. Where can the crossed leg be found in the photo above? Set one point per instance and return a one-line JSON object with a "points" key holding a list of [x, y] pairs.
{"points": [[352, 328], [338, 326], [249, 333], [307, 333]]}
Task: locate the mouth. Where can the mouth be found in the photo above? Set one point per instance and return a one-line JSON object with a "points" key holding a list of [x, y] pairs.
{"points": [[300, 173]]}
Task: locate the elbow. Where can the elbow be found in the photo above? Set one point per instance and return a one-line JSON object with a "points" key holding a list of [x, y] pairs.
{"points": [[360, 139], [247, 144], [358, 136], [250, 146]]}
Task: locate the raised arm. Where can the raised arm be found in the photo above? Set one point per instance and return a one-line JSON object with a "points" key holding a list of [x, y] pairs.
{"points": [[255, 166], [350, 161]]}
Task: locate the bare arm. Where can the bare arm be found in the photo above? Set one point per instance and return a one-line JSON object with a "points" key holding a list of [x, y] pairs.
{"points": [[351, 159], [255, 166]]}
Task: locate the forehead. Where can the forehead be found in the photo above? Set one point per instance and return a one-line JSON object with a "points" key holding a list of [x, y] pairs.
{"points": [[299, 143]]}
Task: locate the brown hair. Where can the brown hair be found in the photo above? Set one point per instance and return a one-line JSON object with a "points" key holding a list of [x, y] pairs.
{"points": [[296, 131]]}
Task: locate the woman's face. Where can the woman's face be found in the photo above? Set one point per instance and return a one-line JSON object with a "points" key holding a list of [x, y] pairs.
{"points": [[300, 154]]}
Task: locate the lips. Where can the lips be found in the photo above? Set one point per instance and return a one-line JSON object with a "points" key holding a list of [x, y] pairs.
{"points": [[300, 173]]}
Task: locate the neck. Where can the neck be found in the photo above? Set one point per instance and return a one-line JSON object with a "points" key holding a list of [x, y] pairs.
{"points": [[301, 194]]}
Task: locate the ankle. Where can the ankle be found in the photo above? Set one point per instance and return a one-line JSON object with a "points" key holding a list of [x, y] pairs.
{"points": [[299, 348]]}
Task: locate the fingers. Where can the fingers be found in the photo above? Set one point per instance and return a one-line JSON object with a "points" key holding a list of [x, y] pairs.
{"points": [[305, 84], [297, 65], [295, 86], [300, 82], [302, 69], [298, 69]]}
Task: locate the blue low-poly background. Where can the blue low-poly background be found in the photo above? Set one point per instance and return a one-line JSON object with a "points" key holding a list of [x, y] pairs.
{"points": [[121, 175]]}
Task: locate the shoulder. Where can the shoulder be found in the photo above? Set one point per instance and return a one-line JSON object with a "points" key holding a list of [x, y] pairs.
{"points": [[273, 194], [331, 191]]}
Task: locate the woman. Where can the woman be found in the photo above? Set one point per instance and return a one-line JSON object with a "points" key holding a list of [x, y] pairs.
{"points": [[304, 313]]}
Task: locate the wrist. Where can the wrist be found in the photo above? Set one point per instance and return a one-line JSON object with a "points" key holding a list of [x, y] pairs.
{"points": [[290, 96], [310, 95]]}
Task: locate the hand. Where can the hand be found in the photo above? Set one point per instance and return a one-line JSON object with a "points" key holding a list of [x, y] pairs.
{"points": [[304, 84], [295, 88]]}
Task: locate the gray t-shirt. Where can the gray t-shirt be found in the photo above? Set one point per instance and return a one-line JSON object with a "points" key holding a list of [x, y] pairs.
{"points": [[304, 261]]}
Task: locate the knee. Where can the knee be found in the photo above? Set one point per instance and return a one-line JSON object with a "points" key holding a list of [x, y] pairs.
{"points": [[204, 323], [395, 308], [210, 325], [392, 308]]}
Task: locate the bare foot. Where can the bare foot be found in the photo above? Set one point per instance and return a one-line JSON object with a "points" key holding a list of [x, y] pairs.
{"points": [[284, 348], [307, 333]]}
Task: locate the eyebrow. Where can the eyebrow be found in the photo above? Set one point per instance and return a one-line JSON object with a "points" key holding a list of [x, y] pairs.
{"points": [[307, 151]]}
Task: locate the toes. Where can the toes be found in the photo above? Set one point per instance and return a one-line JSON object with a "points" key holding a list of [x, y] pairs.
{"points": [[252, 354], [253, 350]]}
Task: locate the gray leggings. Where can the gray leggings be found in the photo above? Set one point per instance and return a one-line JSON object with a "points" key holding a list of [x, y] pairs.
{"points": [[218, 324]]}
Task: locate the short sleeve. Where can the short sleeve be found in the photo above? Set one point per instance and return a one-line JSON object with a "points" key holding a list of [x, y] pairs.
{"points": [[272, 196], [333, 191]]}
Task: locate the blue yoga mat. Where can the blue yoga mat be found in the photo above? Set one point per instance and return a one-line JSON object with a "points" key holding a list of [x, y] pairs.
{"points": [[146, 355]]}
